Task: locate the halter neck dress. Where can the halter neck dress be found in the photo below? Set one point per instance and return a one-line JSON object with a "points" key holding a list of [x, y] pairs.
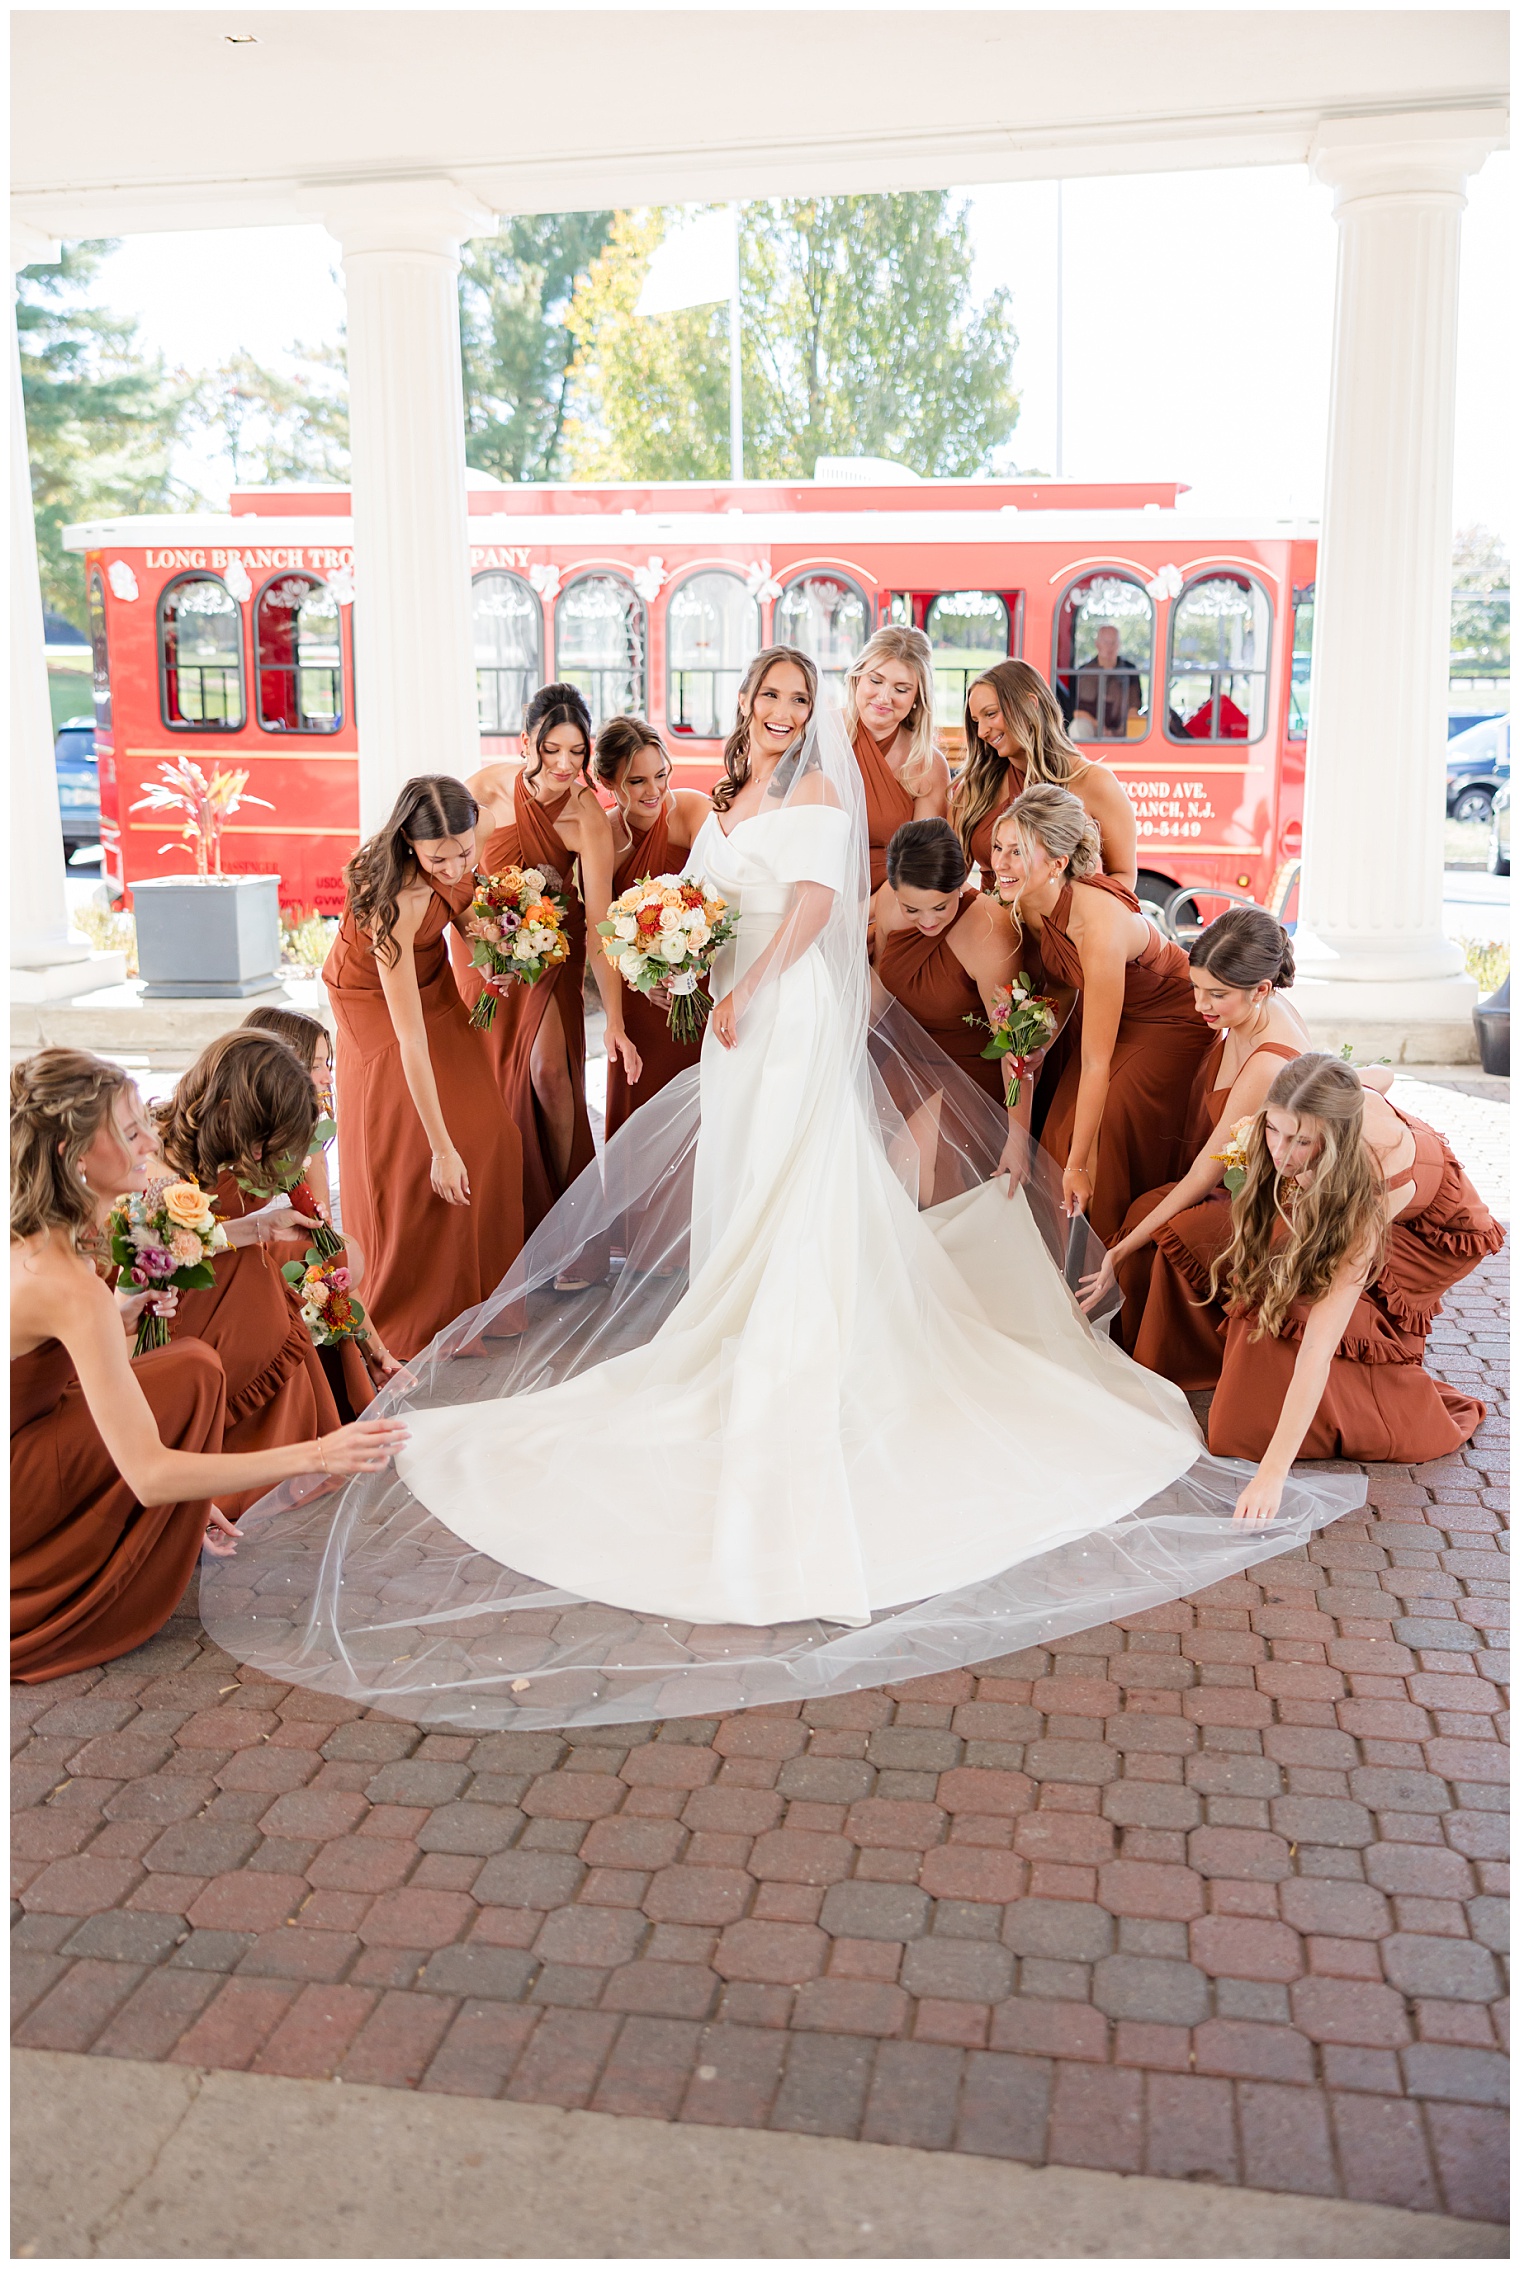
{"points": [[647, 1025], [888, 803]]}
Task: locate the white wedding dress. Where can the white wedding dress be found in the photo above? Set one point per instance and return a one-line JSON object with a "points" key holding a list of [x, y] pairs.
{"points": [[829, 1416]]}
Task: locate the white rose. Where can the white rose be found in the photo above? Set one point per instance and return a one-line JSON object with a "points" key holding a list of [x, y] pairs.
{"points": [[672, 946], [218, 1239], [631, 967], [625, 927], [698, 934], [670, 918], [535, 878]]}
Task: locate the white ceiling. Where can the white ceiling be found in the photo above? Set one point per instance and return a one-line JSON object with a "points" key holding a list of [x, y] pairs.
{"points": [[132, 120]]}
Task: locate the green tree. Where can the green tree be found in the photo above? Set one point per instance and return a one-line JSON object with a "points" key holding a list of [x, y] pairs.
{"points": [[102, 418], [860, 338], [274, 425], [1479, 605], [515, 291]]}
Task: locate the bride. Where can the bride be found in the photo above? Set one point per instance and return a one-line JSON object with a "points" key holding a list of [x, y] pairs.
{"points": [[809, 1437]]}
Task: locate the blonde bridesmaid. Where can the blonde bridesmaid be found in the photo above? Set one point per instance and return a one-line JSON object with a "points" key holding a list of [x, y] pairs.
{"points": [[889, 717]]}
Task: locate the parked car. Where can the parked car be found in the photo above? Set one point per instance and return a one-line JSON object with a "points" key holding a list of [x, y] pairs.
{"points": [[1460, 720], [1498, 838], [78, 782], [1476, 762]]}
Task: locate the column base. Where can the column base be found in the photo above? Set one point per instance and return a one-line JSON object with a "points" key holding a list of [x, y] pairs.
{"points": [[1426, 1021], [66, 980]]}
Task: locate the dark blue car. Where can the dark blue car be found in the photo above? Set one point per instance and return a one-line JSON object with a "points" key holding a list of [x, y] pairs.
{"points": [[78, 782]]}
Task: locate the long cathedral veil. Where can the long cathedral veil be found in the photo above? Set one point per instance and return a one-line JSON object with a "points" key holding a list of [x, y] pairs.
{"points": [[359, 1590]]}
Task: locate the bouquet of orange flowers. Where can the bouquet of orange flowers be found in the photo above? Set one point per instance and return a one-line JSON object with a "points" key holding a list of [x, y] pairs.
{"points": [[666, 931], [328, 1308], [1236, 1154], [1022, 1022], [162, 1236], [516, 928]]}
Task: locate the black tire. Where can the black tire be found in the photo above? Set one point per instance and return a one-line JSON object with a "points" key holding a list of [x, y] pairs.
{"points": [[1474, 804], [1153, 891]]}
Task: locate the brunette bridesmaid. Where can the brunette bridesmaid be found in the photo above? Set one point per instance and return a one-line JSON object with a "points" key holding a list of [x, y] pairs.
{"points": [[1118, 1116], [1016, 738], [653, 828], [1352, 1222], [115, 1460], [889, 717], [543, 813], [430, 1161], [1172, 1236], [941, 948]]}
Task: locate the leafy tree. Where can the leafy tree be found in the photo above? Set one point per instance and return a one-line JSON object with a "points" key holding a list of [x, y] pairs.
{"points": [[515, 291], [859, 339], [1479, 605], [102, 418], [277, 425]]}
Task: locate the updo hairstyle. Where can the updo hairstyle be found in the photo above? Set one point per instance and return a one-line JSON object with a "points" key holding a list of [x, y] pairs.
{"points": [[1245, 947], [555, 705], [61, 1098], [926, 854], [247, 1107], [1062, 826]]}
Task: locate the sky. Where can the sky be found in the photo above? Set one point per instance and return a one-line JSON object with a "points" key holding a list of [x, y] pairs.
{"points": [[1197, 325]]}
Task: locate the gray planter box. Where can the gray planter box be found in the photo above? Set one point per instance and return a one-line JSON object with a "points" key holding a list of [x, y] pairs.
{"points": [[212, 937]]}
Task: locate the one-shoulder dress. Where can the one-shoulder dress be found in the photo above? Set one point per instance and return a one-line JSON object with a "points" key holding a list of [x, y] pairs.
{"points": [[1380, 1405], [1169, 1322], [426, 1262], [888, 803], [93, 1573], [925, 976], [647, 1024], [1157, 1049]]}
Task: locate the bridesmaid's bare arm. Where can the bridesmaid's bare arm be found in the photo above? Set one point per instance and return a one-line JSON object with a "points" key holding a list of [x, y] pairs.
{"points": [[492, 788], [1323, 1333], [595, 852], [987, 948], [690, 814], [929, 786], [398, 982], [1100, 933], [1108, 804]]}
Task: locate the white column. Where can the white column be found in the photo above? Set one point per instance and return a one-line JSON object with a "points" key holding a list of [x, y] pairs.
{"points": [[1371, 947], [41, 940], [414, 658]]}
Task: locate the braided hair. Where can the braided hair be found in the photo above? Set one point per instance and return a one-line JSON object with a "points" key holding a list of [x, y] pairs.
{"points": [[61, 1099]]}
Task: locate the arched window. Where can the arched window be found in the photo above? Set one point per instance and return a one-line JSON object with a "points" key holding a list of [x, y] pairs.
{"points": [[100, 655], [1105, 650], [200, 656], [969, 632], [828, 617], [1216, 682], [599, 645], [509, 649], [298, 642], [712, 631]]}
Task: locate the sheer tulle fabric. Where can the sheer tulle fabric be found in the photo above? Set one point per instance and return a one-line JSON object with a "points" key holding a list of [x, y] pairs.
{"points": [[832, 1419]]}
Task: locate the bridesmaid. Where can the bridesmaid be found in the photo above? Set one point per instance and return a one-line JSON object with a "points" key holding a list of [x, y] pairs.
{"points": [[431, 1164], [1173, 1235], [941, 948], [543, 812], [889, 717], [1016, 738], [115, 1460], [653, 828], [1117, 1118], [1352, 1222]]}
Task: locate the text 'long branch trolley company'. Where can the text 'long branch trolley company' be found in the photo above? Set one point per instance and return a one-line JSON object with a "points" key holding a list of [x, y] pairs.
{"points": [[1178, 646]]}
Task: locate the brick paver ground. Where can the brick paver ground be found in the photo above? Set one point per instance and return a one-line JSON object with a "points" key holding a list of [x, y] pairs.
{"points": [[1218, 1891]]}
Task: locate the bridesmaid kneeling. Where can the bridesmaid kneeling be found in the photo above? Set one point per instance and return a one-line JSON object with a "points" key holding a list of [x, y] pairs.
{"points": [[1351, 1223], [941, 948], [1173, 1235], [114, 1460], [653, 828]]}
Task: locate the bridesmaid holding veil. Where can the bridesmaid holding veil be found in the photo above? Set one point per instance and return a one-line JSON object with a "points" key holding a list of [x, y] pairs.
{"points": [[543, 812], [1016, 738], [889, 718], [653, 828]]}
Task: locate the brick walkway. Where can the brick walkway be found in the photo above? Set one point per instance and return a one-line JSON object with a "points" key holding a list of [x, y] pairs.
{"points": [[1214, 1892]]}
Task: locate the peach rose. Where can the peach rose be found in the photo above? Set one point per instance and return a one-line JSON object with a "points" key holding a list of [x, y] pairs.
{"points": [[186, 1205]]}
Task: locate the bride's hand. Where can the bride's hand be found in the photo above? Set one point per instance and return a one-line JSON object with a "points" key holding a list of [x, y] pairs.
{"points": [[1092, 1289], [724, 1024], [620, 1046]]}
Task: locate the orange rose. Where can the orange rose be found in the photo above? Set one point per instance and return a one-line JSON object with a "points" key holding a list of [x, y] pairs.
{"points": [[186, 1205]]}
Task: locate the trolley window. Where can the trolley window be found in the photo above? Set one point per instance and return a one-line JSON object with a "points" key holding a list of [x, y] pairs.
{"points": [[599, 645], [200, 656], [1303, 655], [712, 631], [1104, 655], [100, 655], [509, 648], [298, 642], [969, 633], [827, 616], [1216, 687]]}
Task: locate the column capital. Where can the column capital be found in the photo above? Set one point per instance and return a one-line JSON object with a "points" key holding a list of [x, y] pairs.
{"points": [[429, 214], [1405, 153], [32, 247]]}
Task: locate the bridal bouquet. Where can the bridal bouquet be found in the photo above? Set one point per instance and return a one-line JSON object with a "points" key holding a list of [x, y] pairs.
{"points": [[666, 931], [328, 1308], [1022, 1022], [516, 926], [160, 1237], [1236, 1154]]}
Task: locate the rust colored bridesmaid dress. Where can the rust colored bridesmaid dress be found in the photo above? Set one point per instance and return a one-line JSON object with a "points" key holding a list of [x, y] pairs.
{"points": [[533, 841], [425, 1261], [888, 803], [646, 1024], [1157, 1048], [923, 973], [93, 1573], [1169, 1323], [1380, 1405]]}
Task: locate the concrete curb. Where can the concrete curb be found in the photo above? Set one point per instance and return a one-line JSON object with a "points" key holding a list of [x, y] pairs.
{"points": [[118, 2160]]}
